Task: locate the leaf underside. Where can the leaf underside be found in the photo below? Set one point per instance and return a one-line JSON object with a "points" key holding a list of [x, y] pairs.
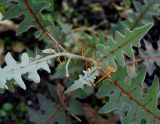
{"points": [[86, 79], [14, 70]]}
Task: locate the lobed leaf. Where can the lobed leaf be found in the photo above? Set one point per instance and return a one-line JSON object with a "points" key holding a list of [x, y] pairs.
{"points": [[129, 99], [115, 49], [142, 15], [14, 70], [49, 108], [86, 79], [32, 12]]}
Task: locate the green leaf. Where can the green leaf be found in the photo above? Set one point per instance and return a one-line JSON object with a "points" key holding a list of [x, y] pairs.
{"points": [[7, 106], [142, 15], [6, 1], [35, 116], [49, 109], [122, 44], [129, 100], [31, 9], [75, 107], [93, 40]]}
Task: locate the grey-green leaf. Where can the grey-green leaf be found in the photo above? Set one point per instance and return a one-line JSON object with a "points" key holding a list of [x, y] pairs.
{"points": [[115, 49]]}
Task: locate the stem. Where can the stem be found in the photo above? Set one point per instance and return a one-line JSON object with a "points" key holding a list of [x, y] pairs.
{"points": [[142, 58], [54, 41], [68, 55]]}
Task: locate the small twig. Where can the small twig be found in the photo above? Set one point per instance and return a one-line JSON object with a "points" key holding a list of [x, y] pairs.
{"points": [[64, 54], [143, 58], [66, 67], [58, 109], [55, 41], [72, 114]]}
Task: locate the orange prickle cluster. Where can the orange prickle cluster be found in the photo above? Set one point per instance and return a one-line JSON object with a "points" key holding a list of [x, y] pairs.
{"points": [[109, 70], [82, 53], [107, 74]]}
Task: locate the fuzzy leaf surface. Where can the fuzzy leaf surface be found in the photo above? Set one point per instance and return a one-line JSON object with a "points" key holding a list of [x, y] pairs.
{"points": [[14, 70], [86, 79]]}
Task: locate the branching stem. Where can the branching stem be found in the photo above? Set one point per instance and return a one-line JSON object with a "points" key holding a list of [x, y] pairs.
{"points": [[143, 58], [68, 55]]}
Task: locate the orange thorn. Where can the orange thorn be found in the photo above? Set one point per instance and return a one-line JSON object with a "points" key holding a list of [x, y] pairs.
{"points": [[102, 78]]}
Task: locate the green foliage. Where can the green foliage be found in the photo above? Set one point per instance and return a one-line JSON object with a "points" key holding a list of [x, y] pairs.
{"points": [[7, 106], [6, 110], [142, 15], [49, 108], [129, 99], [2, 9], [31, 9], [54, 112], [60, 72], [93, 40], [114, 49]]}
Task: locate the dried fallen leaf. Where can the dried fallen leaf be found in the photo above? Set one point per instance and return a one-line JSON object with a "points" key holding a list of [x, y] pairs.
{"points": [[1, 52], [1, 47], [7, 25], [122, 11]]}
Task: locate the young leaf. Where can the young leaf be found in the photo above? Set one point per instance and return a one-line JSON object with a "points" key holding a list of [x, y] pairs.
{"points": [[14, 70], [86, 79]]}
